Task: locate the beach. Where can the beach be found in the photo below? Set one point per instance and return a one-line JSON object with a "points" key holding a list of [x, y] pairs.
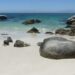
{"points": [[37, 37], [27, 60]]}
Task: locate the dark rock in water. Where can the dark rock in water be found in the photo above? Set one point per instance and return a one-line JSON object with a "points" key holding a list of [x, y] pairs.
{"points": [[29, 22], [37, 21], [63, 31], [19, 43], [3, 17], [49, 33], [6, 42], [33, 30], [71, 21], [32, 21], [9, 39], [57, 48]]}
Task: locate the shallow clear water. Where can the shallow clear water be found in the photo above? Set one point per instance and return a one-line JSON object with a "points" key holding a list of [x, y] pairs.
{"points": [[50, 22]]}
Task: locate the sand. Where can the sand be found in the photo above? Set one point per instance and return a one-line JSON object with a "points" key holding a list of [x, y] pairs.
{"points": [[27, 61]]}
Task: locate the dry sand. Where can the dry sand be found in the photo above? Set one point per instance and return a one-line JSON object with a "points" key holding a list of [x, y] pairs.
{"points": [[27, 61]]}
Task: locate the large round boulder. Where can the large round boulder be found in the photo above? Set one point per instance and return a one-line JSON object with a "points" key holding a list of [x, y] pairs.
{"points": [[20, 43], [31, 21], [57, 48], [3, 17]]}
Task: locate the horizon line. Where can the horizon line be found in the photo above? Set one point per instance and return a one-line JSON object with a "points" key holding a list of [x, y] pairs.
{"points": [[37, 12]]}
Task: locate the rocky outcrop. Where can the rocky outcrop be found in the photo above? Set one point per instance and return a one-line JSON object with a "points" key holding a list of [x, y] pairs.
{"points": [[33, 30], [57, 48], [3, 17], [20, 43], [32, 21]]}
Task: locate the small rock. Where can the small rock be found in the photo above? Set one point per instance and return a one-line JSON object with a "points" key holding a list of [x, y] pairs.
{"points": [[49, 33], [20, 43], [33, 30], [6, 42], [9, 39], [32, 21]]}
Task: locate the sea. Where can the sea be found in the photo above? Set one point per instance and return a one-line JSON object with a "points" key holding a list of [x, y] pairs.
{"points": [[14, 26]]}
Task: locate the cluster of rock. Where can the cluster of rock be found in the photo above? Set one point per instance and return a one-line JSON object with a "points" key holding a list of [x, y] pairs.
{"points": [[70, 28], [62, 31], [32, 21], [18, 43], [57, 48]]}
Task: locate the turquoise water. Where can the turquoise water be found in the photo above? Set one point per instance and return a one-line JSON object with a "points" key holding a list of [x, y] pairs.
{"points": [[50, 21]]}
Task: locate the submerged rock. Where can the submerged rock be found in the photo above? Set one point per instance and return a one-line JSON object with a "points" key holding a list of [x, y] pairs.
{"points": [[32, 21], [3, 17], [57, 48], [37, 21], [20, 43], [33, 30]]}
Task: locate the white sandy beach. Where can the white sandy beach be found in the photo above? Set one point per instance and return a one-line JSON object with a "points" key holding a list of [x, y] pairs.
{"points": [[27, 61]]}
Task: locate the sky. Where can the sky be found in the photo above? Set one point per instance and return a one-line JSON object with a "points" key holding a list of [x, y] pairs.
{"points": [[37, 6]]}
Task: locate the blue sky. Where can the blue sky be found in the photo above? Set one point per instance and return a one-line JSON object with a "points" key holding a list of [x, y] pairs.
{"points": [[37, 6]]}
